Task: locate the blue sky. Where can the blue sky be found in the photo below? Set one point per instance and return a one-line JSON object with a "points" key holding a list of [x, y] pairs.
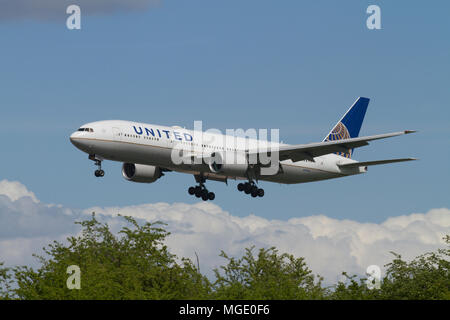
{"points": [[292, 65]]}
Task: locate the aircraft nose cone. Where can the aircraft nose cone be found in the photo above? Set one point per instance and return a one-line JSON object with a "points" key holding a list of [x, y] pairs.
{"points": [[76, 141], [73, 138], [81, 142]]}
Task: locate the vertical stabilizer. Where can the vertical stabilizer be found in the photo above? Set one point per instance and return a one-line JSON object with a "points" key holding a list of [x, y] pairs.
{"points": [[350, 124]]}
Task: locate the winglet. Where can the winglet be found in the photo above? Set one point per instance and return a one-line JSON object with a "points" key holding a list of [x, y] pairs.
{"points": [[410, 131]]}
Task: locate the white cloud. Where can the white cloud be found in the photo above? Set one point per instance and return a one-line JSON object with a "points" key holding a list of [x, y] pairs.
{"points": [[19, 250], [15, 190], [330, 246]]}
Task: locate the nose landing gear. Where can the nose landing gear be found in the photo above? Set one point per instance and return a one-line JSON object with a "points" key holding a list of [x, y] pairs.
{"points": [[99, 172]]}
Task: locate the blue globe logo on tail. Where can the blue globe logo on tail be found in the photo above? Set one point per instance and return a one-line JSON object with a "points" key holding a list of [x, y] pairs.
{"points": [[340, 132]]}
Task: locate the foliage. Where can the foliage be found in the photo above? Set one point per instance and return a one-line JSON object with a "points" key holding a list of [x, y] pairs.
{"points": [[268, 276], [426, 277], [5, 282], [136, 264]]}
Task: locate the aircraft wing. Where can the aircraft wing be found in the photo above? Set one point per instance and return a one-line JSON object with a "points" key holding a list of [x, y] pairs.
{"points": [[311, 150]]}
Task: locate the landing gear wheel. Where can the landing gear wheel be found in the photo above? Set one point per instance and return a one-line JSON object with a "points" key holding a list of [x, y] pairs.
{"points": [[251, 188], [200, 190], [99, 173], [261, 193]]}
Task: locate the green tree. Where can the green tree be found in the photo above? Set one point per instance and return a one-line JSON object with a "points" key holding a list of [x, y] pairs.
{"points": [[136, 264], [352, 289], [269, 275], [426, 277], [6, 282], [132, 265]]}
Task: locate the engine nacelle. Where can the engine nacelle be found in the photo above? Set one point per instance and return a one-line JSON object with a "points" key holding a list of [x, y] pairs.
{"points": [[229, 164], [141, 173]]}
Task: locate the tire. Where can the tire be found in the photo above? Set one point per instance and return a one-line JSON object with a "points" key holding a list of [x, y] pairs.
{"points": [[191, 191], [211, 196], [240, 187], [204, 193], [254, 193], [247, 188], [198, 193], [97, 173], [102, 173], [261, 193], [205, 197]]}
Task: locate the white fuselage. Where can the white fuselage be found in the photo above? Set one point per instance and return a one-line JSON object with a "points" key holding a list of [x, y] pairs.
{"points": [[147, 144]]}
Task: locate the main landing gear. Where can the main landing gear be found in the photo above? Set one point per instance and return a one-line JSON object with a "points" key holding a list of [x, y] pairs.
{"points": [[251, 188], [200, 191]]}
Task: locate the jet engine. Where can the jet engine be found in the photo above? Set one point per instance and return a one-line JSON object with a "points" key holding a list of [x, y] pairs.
{"points": [[229, 164], [141, 173]]}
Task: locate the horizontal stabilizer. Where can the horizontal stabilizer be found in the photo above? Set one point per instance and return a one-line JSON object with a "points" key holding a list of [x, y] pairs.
{"points": [[372, 163]]}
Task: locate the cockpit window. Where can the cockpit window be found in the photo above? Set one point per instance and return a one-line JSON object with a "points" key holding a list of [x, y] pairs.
{"points": [[86, 129]]}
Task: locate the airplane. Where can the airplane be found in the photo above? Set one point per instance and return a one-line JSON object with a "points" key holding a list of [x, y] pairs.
{"points": [[148, 151]]}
